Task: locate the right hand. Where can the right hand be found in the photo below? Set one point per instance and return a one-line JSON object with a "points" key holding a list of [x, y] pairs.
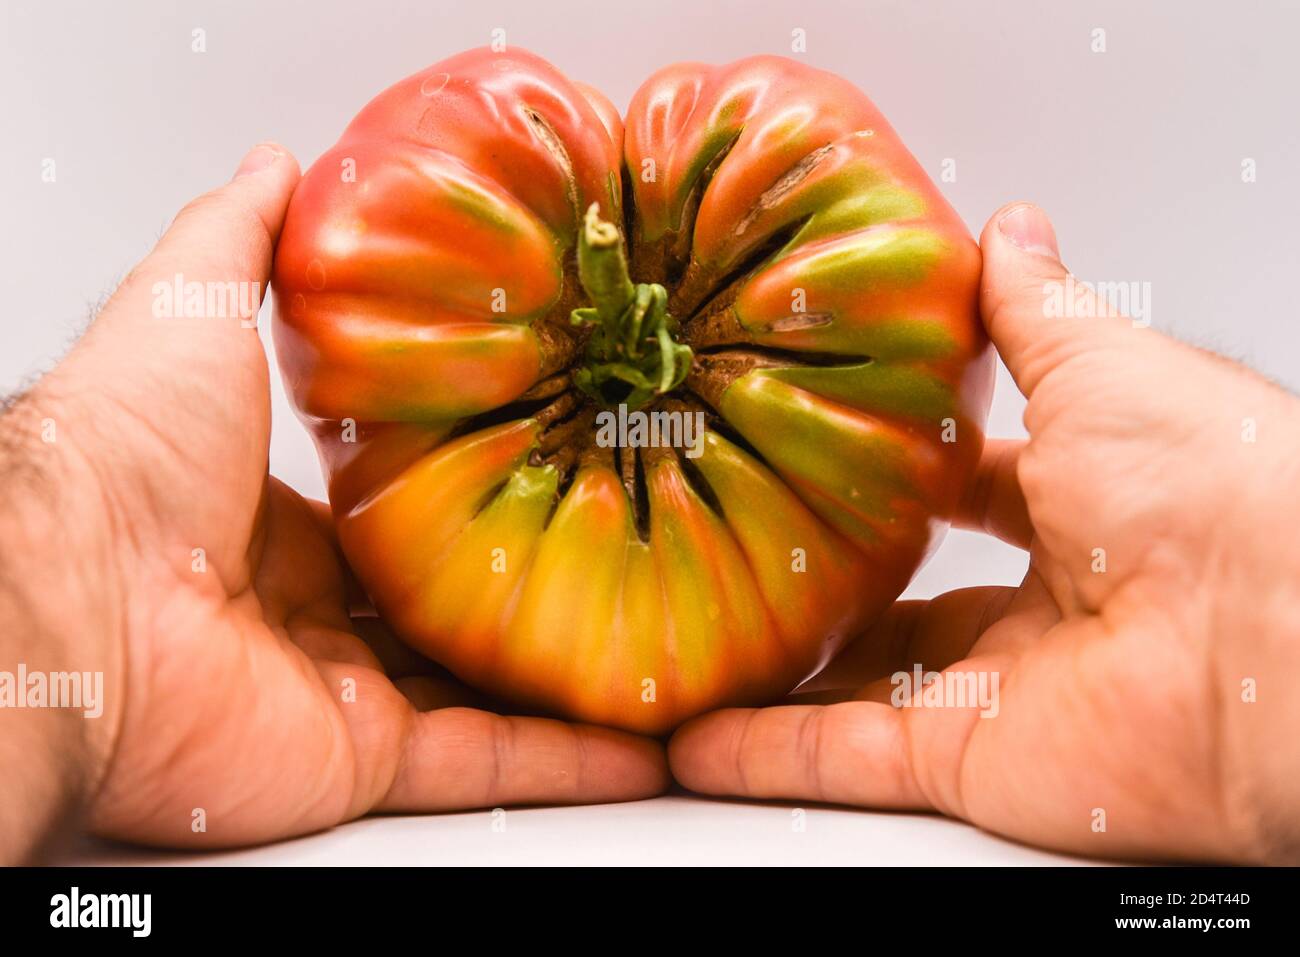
{"points": [[1152, 693]]}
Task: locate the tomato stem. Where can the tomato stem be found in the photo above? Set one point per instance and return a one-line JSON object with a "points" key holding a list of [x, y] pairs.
{"points": [[631, 355]]}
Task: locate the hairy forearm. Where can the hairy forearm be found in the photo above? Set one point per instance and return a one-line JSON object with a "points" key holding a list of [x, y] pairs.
{"points": [[56, 661]]}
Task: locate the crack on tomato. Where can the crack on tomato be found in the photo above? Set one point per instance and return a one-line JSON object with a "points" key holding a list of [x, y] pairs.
{"points": [[798, 322], [545, 133], [778, 191], [722, 329], [667, 258], [784, 358], [700, 292]]}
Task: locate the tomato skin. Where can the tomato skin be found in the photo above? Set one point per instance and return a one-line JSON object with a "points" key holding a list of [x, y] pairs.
{"points": [[399, 286], [827, 290]]}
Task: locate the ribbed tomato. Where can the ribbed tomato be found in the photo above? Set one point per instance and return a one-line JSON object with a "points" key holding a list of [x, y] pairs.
{"points": [[490, 262]]}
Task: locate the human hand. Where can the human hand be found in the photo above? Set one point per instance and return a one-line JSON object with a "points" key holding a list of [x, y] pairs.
{"points": [[1145, 705], [237, 691]]}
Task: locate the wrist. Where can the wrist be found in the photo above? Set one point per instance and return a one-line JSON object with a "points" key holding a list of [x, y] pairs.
{"points": [[60, 663], [1256, 624]]}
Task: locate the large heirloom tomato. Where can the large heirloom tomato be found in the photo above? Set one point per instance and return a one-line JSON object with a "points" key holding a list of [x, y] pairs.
{"points": [[490, 263]]}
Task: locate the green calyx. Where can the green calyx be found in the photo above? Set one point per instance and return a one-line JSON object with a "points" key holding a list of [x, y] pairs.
{"points": [[631, 355]]}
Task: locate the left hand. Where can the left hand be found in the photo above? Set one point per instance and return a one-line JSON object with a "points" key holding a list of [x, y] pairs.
{"points": [[238, 692]]}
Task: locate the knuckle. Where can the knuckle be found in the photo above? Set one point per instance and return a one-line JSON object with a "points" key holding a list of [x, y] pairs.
{"points": [[226, 222]]}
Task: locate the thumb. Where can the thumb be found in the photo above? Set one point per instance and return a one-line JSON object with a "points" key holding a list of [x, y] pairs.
{"points": [[211, 266], [1035, 312], [185, 317], [178, 339]]}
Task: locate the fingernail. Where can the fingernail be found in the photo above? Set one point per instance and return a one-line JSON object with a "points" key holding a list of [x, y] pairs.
{"points": [[1027, 227], [259, 158]]}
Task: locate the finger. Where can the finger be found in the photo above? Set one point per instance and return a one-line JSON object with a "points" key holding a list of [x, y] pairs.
{"points": [[828, 696], [298, 581], [458, 758], [294, 571], [876, 652], [994, 502], [429, 693], [881, 690], [1013, 619], [229, 233], [321, 643], [324, 519], [399, 659], [195, 298], [932, 633], [1023, 292], [358, 602], [850, 753]]}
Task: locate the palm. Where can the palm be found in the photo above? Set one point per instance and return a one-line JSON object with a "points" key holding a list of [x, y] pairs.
{"points": [[254, 709], [1099, 640], [237, 728]]}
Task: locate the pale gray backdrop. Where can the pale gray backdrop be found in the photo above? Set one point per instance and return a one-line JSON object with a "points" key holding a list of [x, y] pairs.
{"points": [[1137, 152]]}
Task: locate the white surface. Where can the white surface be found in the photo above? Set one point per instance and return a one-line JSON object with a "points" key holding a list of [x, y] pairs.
{"points": [[673, 830]]}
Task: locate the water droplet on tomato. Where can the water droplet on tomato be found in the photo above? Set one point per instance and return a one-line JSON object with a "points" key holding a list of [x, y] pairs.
{"points": [[434, 83], [316, 274]]}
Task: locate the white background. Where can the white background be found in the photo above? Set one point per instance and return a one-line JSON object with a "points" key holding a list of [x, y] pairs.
{"points": [[1135, 152]]}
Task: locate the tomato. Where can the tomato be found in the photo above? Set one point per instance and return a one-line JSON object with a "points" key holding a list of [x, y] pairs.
{"points": [[491, 268]]}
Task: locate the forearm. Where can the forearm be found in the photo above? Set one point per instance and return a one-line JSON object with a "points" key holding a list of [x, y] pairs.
{"points": [[56, 664]]}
